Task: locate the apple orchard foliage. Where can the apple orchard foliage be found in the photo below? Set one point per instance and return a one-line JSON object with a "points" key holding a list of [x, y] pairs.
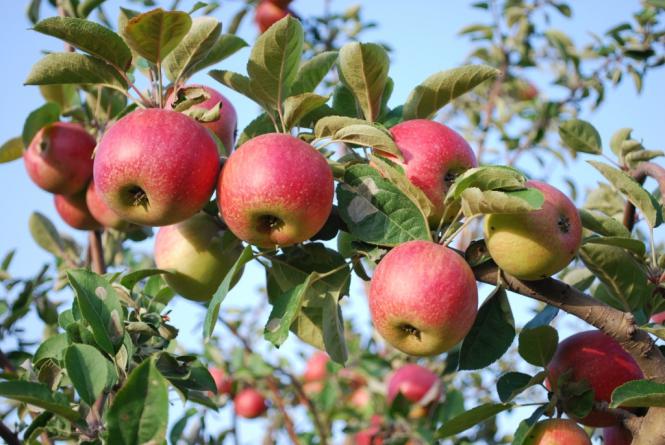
{"points": [[107, 365]]}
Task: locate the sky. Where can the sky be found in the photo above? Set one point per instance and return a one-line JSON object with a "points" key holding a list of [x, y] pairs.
{"points": [[422, 34]]}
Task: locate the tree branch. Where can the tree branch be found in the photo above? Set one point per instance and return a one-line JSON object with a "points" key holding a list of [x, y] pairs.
{"points": [[288, 423], [96, 252], [8, 435]]}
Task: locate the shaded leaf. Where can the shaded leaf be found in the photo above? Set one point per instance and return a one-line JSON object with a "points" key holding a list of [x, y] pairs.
{"points": [[299, 106], [87, 369], [183, 60], [311, 73], [39, 395], [493, 177], [45, 234], [639, 393], [471, 418], [333, 330], [154, 34], [284, 311], [225, 46], [631, 244], [538, 345], [602, 225], [38, 119], [366, 135], [74, 68], [511, 384], [476, 201], [329, 125]]}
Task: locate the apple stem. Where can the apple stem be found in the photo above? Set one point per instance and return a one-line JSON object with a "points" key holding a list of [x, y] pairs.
{"points": [[452, 223]]}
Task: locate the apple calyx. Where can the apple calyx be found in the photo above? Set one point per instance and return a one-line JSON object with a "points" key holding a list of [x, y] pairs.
{"points": [[138, 197], [563, 223], [269, 223]]}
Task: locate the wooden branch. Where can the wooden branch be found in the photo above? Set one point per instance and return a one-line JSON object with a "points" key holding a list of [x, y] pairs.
{"points": [[10, 437], [288, 423], [96, 252]]}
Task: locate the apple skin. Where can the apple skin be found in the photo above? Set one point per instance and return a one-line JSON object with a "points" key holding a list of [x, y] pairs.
{"points": [[557, 432], [74, 211], [369, 436], [223, 382], [658, 318], [617, 435], [537, 244], [156, 167], [102, 212], [267, 13], [360, 398], [224, 127], [601, 361], [414, 382], [316, 367], [275, 190], [281, 3], [423, 298], [249, 403], [59, 158], [199, 252], [434, 155]]}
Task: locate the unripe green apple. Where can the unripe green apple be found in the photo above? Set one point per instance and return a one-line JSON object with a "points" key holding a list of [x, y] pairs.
{"points": [[249, 403], [536, 244], [199, 252], [74, 211], [423, 298], [557, 432], [617, 435], [274, 190]]}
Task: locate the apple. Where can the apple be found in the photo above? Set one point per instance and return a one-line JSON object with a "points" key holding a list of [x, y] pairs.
{"points": [[658, 318], [536, 244], [199, 253], [360, 398], [525, 90], [423, 298], [223, 382], [434, 155], [156, 167], [74, 211], [281, 3], [598, 359], [316, 367], [59, 158], [249, 403], [224, 127], [102, 212], [369, 436], [556, 432], [418, 385], [617, 435], [275, 190], [268, 12]]}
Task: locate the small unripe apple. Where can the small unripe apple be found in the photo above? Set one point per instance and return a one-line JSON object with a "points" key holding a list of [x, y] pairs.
{"points": [[557, 432], [316, 367], [223, 382], [59, 158], [658, 318], [434, 155], [102, 212], [249, 403], [598, 359], [275, 190], [267, 13], [536, 244], [74, 211], [225, 126], [199, 253], [423, 298], [156, 167], [617, 435]]}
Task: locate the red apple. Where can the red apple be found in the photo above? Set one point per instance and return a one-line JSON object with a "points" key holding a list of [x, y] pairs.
{"points": [[537, 244], [434, 155], [102, 212], [414, 382], [281, 3], [360, 398], [249, 403], [596, 358], [369, 436], [225, 126], [156, 167], [658, 318], [267, 13], [74, 211], [423, 298], [617, 435], [199, 254], [316, 367], [275, 190], [59, 158], [557, 432], [223, 382]]}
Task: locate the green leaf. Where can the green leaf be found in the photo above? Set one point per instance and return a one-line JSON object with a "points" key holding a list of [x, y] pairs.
{"points": [[39, 395], [639, 393], [74, 68], [284, 311], [363, 69], [87, 6], [100, 307], [581, 136], [260, 125], [89, 37], [618, 138], [33, 10], [273, 62], [299, 106], [366, 135], [140, 410], [376, 211], [223, 289], [88, 370], [329, 125], [491, 334], [440, 88], [635, 193], [642, 156], [602, 225], [66, 96], [183, 60], [51, 348], [511, 384], [630, 244], [311, 73], [494, 177], [333, 330], [38, 119], [237, 82], [154, 34], [538, 345], [45, 234], [225, 46], [131, 279], [471, 418], [476, 201], [11, 150]]}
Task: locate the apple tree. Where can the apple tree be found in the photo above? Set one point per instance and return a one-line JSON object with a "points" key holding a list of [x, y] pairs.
{"points": [[426, 202]]}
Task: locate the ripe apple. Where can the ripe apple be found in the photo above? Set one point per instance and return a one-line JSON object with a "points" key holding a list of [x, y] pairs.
{"points": [[249, 403], [537, 244], [281, 3], [423, 298], [360, 398], [658, 318], [617, 435], [601, 361], [434, 155], [59, 158], [199, 253], [156, 167], [369, 436], [557, 431], [418, 385], [268, 12], [223, 382], [316, 367], [74, 211], [275, 190], [225, 126], [102, 212]]}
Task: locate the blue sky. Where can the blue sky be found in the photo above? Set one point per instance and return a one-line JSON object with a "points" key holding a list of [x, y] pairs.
{"points": [[422, 34]]}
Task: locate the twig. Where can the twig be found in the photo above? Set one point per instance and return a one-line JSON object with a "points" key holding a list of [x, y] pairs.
{"points": [[6, 364], [8, 435], [288, 423], [96, 252]]}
